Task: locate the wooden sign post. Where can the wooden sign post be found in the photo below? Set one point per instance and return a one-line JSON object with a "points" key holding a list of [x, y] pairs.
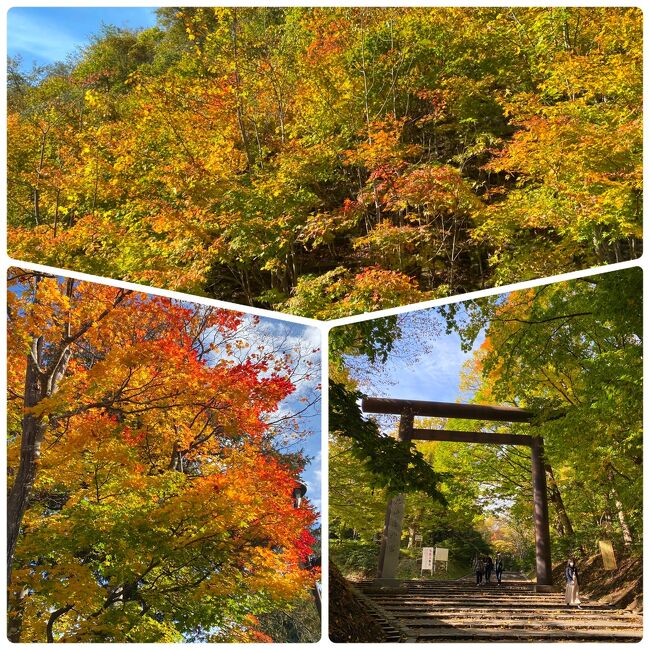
{"points": [[442, 556], [607, 553]]}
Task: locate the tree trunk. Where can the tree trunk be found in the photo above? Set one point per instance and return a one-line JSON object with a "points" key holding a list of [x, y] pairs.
{"points": [[52, 620], [622, 519], [627, 533], [42, 378], [234, 31], [556, 499], [39, 173], [33, 429], [15, 616], [412, 532], [56, 213]]}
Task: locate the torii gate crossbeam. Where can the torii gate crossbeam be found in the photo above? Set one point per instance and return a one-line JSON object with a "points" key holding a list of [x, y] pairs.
{"points": [[407, 409]]}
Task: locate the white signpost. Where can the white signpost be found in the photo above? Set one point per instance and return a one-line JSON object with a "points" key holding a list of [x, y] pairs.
{"points": [[441, 555], [427, 559], [431, 556]]}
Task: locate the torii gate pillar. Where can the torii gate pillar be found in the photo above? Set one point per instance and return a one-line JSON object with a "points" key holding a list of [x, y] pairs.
{"points": [[540, 516], [392, 533]]}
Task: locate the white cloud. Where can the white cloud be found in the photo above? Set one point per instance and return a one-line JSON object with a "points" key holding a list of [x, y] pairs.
{"points": [[40, 39], [433, 374]]}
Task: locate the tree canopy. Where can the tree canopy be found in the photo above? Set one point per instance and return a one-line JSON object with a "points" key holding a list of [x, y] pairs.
{"points": [[330, 161], [572, 353], [150, 499]]}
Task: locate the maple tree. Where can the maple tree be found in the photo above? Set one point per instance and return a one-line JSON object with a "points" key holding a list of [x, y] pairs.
{"points": [[149, 499], [260, 155]]}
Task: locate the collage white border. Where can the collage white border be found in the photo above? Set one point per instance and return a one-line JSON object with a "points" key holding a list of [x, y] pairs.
{"points": [[323, 327]]}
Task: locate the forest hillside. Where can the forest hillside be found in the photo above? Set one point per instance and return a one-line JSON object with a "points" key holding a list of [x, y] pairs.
{"points": [[333, 161]]}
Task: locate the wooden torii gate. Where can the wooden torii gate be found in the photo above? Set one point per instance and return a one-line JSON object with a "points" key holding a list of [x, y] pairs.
{"points": [[407, 410]]}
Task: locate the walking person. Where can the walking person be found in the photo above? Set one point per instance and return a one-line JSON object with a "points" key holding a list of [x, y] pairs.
{"points": [[478, 569], [572, 587], [498, 568], [489, 565]]}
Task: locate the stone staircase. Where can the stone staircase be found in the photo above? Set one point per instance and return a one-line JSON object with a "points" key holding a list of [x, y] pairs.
{"points": [[431, 610]]}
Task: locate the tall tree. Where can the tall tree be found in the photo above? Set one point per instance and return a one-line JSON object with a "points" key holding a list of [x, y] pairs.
{"points": [[572, 352], [148, 500]]}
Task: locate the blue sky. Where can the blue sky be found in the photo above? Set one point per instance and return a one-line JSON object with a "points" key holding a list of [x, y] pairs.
{"points": [[309, 340], [272, 335], [425, 363], [44, 35]]}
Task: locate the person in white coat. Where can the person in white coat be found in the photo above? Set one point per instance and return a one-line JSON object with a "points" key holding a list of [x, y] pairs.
{"points": [[572, 586]]}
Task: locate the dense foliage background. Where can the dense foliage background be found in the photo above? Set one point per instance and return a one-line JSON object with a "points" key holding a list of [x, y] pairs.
{"points": [[337, 160]]}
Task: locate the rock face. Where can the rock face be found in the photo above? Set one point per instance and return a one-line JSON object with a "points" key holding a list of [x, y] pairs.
{"points": [[349, 618]]}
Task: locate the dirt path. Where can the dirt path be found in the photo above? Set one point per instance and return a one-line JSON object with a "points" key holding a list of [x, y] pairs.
{"points": [[428, 610]]}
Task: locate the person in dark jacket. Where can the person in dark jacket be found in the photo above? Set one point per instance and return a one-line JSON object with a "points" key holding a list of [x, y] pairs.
{"points": [[498, 568], [478, 569], [572, 587], [489, 565]]}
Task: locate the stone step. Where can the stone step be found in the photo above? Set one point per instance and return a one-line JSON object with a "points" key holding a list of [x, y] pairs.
{"points": [[540, 610], [474, 593], [488, 589], [470, 594], [472, 634], [546, 624], [458, 587], [481, 589], [504, 586], [453, 584], [453, 611], [389, 631], [410, 616], [476, 602]]}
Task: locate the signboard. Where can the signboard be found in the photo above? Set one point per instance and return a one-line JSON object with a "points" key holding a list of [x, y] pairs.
{"points": [[442, 554], [607, 553], [427, 558]]}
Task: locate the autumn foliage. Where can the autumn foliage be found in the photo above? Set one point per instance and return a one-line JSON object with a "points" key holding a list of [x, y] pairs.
{"points": [[248, 154], [160, 508]]}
